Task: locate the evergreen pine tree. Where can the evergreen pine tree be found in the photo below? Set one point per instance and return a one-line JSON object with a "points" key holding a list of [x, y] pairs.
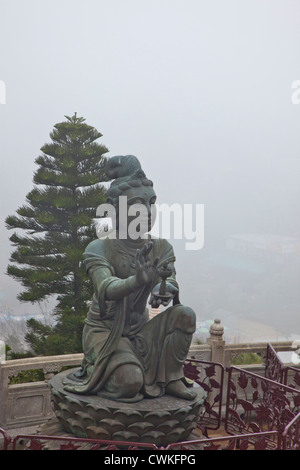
{"points": [[58, 225]]}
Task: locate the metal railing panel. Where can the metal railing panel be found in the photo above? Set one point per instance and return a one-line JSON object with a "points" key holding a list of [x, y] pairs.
{"points": [[210, 376], [257, 404]]}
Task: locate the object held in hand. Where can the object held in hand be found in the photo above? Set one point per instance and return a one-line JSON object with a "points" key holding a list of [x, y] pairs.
{"points": [[162, 293]]}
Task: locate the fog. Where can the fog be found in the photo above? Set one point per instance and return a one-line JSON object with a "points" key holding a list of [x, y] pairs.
{"points": [[202, 93]]}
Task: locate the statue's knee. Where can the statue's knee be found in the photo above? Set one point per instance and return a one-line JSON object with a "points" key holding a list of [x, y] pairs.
{"points": [[187, 318], [127, 380]]}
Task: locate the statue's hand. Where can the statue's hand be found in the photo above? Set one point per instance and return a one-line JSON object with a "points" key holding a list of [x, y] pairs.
{"points": [[156, 299], [143, 268]]}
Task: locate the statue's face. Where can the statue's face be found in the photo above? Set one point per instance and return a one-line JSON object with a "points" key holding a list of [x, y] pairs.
{"points": [[140, 207]]}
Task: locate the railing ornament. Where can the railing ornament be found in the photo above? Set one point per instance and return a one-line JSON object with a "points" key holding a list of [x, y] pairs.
{"points": [[216, 330]]}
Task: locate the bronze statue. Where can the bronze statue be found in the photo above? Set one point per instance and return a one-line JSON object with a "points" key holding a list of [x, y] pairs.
{"points": [[127, 356]]}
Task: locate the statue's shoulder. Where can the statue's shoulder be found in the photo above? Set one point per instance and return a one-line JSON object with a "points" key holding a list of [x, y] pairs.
{"points": [[161, 244], [96, 247]]}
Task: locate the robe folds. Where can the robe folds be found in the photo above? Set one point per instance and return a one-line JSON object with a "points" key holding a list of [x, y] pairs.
{"points": [[119, 331]]}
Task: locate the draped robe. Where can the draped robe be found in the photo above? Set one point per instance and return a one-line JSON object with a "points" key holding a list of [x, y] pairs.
{"points": [[119, 331]]}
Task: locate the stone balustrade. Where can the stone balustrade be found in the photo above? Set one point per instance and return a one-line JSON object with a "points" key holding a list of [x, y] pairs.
{"points": [[29, 404]]}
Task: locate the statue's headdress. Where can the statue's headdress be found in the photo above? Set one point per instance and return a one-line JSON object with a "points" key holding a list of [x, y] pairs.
{"points": [[127, 173]]}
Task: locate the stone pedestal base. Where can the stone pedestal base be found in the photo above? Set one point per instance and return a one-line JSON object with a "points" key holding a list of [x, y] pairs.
{"points": [[160, 420]]}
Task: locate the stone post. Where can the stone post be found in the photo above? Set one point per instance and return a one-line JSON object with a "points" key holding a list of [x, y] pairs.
{"points": [[4, 381], [217, 348], [2, 352], [216, 342]]}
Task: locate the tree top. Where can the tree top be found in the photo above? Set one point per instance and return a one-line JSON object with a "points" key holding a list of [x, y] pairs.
{"points": [[74, 119]]}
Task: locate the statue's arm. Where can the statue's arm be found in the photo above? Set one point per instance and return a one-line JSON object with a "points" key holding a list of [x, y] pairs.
{"points": [[111, 287]]}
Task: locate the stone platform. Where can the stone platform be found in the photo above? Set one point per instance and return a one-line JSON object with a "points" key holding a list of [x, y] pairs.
{"points": [[160, 421]]}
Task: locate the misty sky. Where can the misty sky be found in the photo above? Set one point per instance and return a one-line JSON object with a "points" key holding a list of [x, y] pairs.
{"points": [[199, 90]]}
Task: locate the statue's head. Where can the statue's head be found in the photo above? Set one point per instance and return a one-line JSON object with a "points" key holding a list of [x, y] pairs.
{"points": [[130, 181]]}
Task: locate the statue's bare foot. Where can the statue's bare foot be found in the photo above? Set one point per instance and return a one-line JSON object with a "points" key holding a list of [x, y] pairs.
{"points": [[179, 390]]}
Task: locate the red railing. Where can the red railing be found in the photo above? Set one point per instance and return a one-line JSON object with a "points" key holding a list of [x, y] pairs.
{"points": [[209, 376], [291, 377], [5, 438], [291, 435], [274, 369], [41, 442], [260, 413], [277, 371], [256, 404], [255, 441]]}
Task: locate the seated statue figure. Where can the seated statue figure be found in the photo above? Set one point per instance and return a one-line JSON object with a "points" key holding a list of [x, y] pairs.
{"points": [[128, 357]]}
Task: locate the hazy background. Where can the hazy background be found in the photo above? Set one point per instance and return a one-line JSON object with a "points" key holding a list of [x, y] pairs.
{"points": [[201, 92]]}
